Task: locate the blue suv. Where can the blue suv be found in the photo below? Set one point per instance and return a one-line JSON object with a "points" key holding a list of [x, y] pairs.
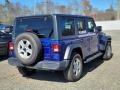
{"points": [[57, 42]]}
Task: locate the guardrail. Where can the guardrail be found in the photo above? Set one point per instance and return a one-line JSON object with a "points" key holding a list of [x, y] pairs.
{"points": [[109, 25]]}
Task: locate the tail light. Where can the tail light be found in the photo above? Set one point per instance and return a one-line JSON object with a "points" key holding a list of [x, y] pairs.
{"points": [[11, 46], [56, 48]]}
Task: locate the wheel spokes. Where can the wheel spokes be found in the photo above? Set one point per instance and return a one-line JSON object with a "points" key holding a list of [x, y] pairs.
{"points": [[25, 49], [76, 66]]}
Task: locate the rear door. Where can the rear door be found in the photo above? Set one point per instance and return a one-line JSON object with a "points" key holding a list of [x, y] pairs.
{"points": [[93, 36], [83, 36], [66, 31]]}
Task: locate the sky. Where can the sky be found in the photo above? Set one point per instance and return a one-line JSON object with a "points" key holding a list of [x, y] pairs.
{"points": [[100, 4]]}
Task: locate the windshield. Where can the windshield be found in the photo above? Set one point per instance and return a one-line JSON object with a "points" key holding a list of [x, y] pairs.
{"points": [[42, 25]]}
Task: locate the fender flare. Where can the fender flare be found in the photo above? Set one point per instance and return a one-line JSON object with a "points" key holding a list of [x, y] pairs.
{"points": [[105, 39], [69, 50], [108, 39]]}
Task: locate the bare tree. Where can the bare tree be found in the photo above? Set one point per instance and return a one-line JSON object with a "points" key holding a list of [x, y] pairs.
{"points": [[62, 9], [49, 7], [40, 8], [11, 10], [87, 7], [2, 14], [76, 6], [46, 7]]}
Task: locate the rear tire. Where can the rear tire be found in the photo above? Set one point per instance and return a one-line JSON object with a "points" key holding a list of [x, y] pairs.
{"points": [[74, 71], [26, 71]]}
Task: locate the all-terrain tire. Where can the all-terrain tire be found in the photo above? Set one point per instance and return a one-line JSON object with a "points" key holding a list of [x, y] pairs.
{"points": [[28, 48], [108, 52], [70, 73]]}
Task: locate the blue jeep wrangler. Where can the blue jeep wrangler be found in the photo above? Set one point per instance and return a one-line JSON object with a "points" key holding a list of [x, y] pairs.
{"points": [[57, 42]]}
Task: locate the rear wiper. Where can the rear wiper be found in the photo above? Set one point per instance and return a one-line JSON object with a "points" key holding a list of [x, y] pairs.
{"points": [[50, 33]]}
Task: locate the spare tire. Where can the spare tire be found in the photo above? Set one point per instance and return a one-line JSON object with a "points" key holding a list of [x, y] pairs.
{"points": [[28, 48]]}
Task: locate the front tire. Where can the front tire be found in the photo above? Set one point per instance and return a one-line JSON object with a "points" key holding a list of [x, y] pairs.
{"points": [[108, 52], [74, 71], [26, 71]]}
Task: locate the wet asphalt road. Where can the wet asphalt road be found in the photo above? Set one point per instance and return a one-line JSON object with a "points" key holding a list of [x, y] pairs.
{"points": [[98, 75]]}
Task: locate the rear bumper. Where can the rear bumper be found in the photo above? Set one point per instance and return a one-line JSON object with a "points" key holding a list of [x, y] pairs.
{"points": [[42, 65]]}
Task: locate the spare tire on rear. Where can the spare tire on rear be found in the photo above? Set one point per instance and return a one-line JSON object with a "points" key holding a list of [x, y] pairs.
{"points": [[28, 48]]}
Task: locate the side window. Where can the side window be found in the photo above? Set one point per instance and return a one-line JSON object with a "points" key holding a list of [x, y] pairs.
{"points": [[81, 25], [66, 26], [69, 28], [91, 25]]}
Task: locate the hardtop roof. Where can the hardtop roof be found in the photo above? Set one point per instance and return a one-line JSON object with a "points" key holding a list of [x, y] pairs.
{"points": [[67, 15]]}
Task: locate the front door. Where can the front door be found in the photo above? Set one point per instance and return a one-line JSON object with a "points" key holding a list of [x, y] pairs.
{"points": [[93, 36]]}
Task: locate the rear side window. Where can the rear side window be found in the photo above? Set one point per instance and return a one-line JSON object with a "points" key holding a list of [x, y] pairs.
{"points": [[80, 22], [66, 26]]}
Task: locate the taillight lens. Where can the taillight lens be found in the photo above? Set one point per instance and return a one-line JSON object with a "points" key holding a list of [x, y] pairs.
{"points": [[11, 46], [56, 48]]}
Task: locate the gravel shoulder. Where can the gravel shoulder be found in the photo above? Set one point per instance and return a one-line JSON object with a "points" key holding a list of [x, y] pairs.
{"points": [[98, 75]]}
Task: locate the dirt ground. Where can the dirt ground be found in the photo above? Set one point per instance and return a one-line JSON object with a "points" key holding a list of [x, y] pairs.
{"points": [[98, 75]]}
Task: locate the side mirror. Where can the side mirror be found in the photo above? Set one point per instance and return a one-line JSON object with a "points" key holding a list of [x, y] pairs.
{"points": [[98, 29]]}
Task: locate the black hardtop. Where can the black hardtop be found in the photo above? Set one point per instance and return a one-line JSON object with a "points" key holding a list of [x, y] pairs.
{"points": [[67, 15]]}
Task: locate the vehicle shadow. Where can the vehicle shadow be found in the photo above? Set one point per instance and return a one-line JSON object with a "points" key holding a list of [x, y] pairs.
{"points": [[56, 76], [3, 58], [91, 66]]}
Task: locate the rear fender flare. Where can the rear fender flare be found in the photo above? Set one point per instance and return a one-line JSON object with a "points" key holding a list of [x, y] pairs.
{"points": [[69, 50]]}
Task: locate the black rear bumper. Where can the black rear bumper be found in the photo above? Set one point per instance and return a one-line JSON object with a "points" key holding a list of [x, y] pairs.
{"points": [[42, 65]]}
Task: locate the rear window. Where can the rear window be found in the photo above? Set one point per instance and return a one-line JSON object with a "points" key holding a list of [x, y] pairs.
{"points": [[42, 25]]}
